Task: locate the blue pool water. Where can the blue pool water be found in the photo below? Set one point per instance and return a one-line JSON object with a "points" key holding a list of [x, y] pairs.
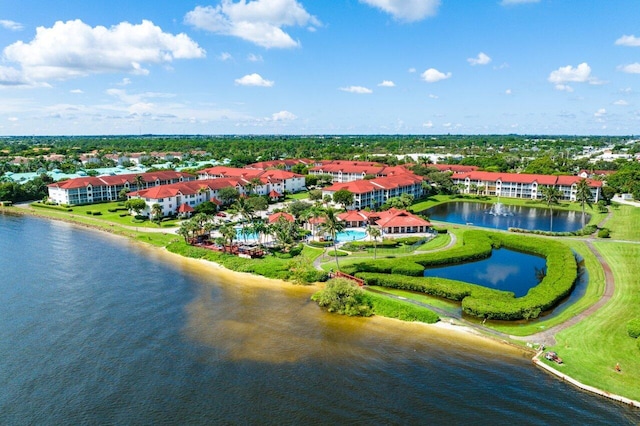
{"points": [[241, 237], [350, 235]]}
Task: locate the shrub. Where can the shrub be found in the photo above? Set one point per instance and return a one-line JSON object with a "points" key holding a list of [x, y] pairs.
{"points": [[52, 207], [633, 328], [406, 273], [89, 212], [343, 297], [604, 233]]}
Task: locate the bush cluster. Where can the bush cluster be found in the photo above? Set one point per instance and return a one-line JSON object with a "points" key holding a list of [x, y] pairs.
{"points": [[407, 273], [343, 297], [52, 207], [633, 328], [604, 233]]}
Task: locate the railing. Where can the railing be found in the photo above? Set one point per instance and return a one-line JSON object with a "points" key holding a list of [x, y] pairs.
{"points": [[339, 274]]}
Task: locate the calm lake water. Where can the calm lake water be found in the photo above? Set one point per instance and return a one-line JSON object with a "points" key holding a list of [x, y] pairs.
{"points": [[98, 330], [506, 270], [533, 218]]}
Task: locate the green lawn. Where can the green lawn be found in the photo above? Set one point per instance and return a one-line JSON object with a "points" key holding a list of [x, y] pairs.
{"points": [[297, 196], [111, 217], [624, 223], [592, 348]]}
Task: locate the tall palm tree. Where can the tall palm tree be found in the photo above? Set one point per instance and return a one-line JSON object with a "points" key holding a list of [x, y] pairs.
{"points": [[156, 213], [374, 232], [551, 195], [583, 195], [139, 182], [245, 210], [332, 225]]}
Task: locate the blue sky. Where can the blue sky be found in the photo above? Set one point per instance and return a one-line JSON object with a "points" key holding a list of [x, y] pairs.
{"points": [[320, 67]]}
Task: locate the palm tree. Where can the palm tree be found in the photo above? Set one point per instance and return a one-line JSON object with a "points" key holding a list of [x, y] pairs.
{"points": [[332, 225], [245, 210], [228, 233], [551, 195], [374, 232], [583, 195], [139, 182], [156, 213]]}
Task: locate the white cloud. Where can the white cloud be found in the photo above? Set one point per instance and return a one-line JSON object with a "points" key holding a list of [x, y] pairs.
{"points": [[283, 116], [225, 56], [432, 75], [411, 70], [564, 88], [406, 10], [258, 21], [510, 2], [508, 92], [569, 74], [254, 80], [13, 119], [74, 49], [428, 124], [254, 58], [76, 91], [387, 83], [628, 40], [357, 89], [621, 102], [631, 68], [481, 59], [10, 25], [432, 96], [601, 112], [125, 82]]}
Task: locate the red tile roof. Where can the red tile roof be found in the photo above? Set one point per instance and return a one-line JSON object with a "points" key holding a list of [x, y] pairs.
{"points": [[398, 218], [524, 178], [286, 216]]}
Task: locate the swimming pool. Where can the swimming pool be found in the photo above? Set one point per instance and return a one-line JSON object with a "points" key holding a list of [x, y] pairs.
{"points": [[240, 236], [350, 235]]}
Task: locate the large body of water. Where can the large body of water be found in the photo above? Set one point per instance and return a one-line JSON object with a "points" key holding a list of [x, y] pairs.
{"points": [[97, 330], [532, 218]]}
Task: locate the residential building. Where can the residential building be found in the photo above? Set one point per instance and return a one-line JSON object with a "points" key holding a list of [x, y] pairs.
{"points": [[263, 182], [373, 193], [173, 198], [88, 189], [392, 221], [521, 185]]}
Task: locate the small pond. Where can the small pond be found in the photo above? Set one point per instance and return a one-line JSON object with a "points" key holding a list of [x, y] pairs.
{"points": [[506, 270], [485, 215]]}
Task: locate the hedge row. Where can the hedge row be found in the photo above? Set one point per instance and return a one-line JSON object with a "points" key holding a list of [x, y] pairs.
{"points": [[476, 300], [52, 207], [587, 230], [392, 308]]}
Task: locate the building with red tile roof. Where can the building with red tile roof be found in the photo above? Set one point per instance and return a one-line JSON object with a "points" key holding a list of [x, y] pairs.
{"points": [[284, 215], [265, 181], [347, 171], [454, 168], [373, 193], [392, 221], [88, 189], [521, 185], [192, 193]]}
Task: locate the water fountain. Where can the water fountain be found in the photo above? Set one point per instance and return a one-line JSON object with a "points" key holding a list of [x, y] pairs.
{"points": [[498, 209]]}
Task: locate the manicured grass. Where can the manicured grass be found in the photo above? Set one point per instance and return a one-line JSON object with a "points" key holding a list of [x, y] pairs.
{"points": [[111, 217], [624, 223], [592, 348], [436, 302], [440, 241], [393, 308], [297, 196]]}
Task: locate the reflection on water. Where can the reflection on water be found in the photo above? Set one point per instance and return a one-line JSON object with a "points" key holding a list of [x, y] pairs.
{"points": [[98, 330], [506, 270], [532, 218]]}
